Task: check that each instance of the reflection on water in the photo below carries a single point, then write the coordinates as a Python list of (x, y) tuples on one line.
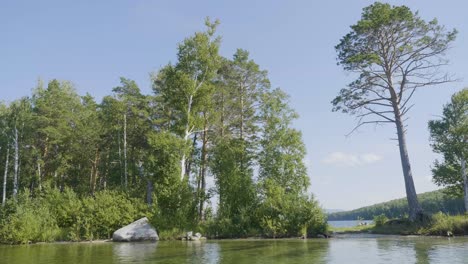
[(363, 249), (133, 252)]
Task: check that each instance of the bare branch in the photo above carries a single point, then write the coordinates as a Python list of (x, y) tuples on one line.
[(380, 113), (375, 122), (406, 110), (407, 99)]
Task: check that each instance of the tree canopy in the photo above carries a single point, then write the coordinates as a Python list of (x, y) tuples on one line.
[(449, 137), (208, 119)]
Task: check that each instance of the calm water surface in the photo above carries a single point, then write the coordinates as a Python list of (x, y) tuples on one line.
[(352, 249), (350, 223)]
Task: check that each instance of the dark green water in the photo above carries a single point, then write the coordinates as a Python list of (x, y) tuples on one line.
[(363, 250)]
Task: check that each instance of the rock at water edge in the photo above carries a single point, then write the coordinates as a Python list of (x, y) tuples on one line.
[(140, 230)]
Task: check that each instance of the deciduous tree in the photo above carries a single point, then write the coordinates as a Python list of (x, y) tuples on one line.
[(449, 137)]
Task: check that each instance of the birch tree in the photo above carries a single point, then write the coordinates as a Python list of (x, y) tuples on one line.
[(181, 86), (20, 124), (5, 175), (393, 51), (4, 146)]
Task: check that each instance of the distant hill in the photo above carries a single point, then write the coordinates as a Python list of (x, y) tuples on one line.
[(431, 202)]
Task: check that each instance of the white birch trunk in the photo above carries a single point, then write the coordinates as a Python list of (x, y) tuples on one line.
[(184, 156), (15, 179), (186, 137), (5, 176)]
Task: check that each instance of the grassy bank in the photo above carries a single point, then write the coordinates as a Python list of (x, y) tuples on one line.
[(436, 225)]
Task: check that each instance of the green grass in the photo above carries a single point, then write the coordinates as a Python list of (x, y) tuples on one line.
[(441, 224), (436, 225), (354, 229)]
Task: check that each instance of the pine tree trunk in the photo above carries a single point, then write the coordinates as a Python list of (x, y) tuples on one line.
[(189, 162), (203, 174), (5, 176), (120, 160), (465, 183), (94, 173), (149, 192), (242, 126), (39, 173), (222, 114), (125, 150), (415, 209), (15, 178), (106, 173)]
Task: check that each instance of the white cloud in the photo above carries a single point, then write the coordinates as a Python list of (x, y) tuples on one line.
[(351, 160), (370, 158)]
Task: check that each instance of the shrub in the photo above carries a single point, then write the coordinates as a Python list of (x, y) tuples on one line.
[(28, 221), (284, 214), (442, 223), (54, 215), (101, 215), (380, 220)]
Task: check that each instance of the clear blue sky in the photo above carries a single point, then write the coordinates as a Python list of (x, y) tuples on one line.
[(93, 43)]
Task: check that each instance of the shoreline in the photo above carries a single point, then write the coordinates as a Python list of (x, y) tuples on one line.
[(335, 235)]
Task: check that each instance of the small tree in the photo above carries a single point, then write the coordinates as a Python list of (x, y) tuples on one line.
[(449, 137), (394, 52)]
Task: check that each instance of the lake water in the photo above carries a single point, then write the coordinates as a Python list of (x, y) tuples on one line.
[(350, 223), (362, 249)]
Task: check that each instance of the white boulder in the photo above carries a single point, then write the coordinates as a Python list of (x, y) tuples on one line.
[(140, 230)]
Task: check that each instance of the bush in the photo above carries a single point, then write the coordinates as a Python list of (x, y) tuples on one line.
[(55, 215), (380, 220), (101, 215), (284, 214), (442, 223), (28, 221), (174, 206)]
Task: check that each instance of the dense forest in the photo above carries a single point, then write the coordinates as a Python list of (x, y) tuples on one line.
[(74, 168), (431, 202)]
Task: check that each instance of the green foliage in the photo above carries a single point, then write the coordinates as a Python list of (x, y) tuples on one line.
[(380, 220), (171, 234), (284, 214), (442, 223), (174, 207), (439, 224), (431, 202), (89, 166), (449, 138), (284, 209), (56, 215), (233, 171), (108, 211), (27, 220)]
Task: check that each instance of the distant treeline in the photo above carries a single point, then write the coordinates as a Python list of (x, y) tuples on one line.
[(431, 202)]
